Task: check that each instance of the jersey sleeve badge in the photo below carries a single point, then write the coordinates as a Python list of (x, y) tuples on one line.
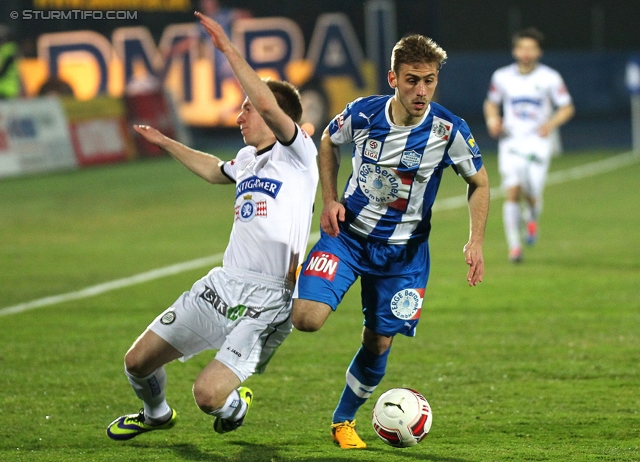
[(473, 146)]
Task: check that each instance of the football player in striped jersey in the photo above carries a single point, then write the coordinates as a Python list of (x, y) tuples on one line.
[(378, 229)]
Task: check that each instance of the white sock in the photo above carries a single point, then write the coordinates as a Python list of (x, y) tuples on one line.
[(234, 408), (150, 390), (511, 217)]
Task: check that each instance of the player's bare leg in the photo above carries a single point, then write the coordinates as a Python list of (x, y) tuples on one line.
[(309, 315), (217, 392), (148, 353), (144, 367)]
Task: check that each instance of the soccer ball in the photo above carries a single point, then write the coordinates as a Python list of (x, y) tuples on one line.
[(402, 417)]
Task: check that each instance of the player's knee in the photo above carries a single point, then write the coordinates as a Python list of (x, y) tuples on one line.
[(207, 398), (376, 343), (309, 316), (305, 325), (134, 365)]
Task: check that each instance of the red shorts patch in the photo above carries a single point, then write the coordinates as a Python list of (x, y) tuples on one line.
[(323, 265)]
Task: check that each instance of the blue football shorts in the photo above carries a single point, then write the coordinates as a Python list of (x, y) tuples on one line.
[(393, 279)]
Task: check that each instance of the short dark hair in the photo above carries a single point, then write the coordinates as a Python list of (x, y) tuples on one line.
[(416, 48), (288, 98), (530, 33)]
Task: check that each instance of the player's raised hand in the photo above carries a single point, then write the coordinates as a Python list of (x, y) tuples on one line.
[(151, 134), (331, 214), (215, 30), (475, 260)]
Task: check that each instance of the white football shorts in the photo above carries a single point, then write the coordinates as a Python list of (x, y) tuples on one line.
[(524, 161), (242, 314)]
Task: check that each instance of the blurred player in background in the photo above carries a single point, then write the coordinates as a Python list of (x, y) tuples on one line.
[(380, 227), (535, 102), (242, 309)]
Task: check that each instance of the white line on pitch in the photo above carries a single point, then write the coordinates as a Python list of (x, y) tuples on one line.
[(561, 176), (557, 177), (117, 284)]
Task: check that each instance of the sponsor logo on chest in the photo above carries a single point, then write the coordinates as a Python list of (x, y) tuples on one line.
[(267, 186), (385, 186)]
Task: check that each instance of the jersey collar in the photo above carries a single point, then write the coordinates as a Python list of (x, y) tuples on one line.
[(266, 149)]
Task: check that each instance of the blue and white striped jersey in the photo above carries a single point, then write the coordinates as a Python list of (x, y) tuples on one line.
[(397, 169)]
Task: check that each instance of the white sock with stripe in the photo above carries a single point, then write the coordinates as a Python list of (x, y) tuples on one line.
[(234, 408), (150, 390)]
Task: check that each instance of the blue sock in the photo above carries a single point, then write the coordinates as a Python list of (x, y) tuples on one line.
[(363, 376)]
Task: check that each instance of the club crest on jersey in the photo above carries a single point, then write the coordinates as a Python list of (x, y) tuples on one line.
[(440, 129), (371, 150), (168, 317), (248, 209), (323, 265), (267, 186), (410, 159), (407, 304)]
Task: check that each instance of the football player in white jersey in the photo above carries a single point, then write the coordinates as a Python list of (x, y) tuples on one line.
[(526, 103), (379, 230), (242, 309)]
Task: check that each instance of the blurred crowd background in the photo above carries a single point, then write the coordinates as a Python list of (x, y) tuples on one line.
[(590, 42)]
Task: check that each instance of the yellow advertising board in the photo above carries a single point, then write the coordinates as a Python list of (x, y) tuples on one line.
[(332, 69), (88, 5)]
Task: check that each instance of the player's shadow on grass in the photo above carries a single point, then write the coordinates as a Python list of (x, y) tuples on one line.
[(250, 453), (193, 452), (266, 453)]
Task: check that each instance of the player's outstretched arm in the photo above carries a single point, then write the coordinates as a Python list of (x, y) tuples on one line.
[(478, 200), (328, 165), (258, 92), (202, 164)]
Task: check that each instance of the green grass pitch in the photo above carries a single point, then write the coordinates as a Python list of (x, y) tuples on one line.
[(540, 362)]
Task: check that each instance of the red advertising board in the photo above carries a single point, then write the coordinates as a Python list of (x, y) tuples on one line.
[(150, 109), (99, 131)]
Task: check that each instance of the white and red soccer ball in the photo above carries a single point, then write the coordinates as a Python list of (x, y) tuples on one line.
[(402, 417)]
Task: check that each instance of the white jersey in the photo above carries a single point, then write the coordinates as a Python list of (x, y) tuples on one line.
[(275, 192), (527, 100), (397, 169)]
